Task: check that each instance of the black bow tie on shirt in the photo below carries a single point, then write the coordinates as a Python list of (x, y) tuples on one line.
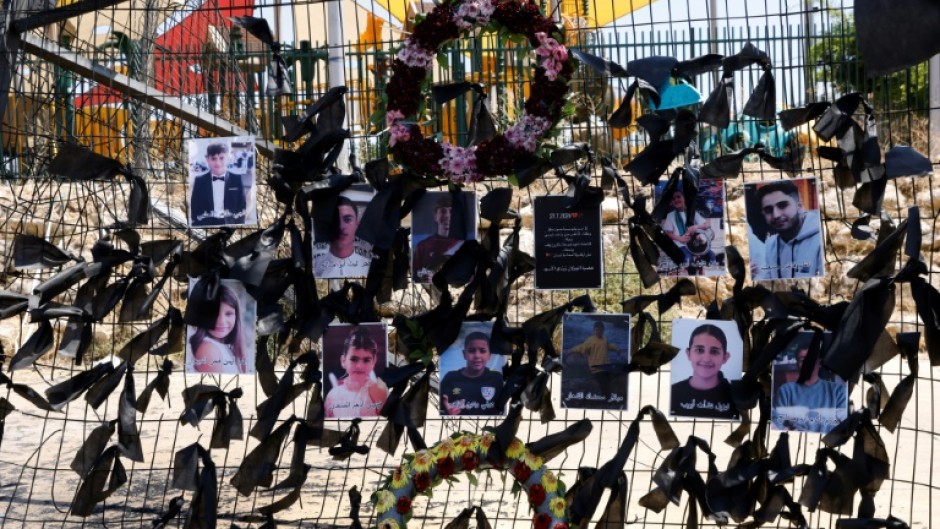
[(220, 178)]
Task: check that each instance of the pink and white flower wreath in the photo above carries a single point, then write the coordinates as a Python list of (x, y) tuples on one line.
[(412, 67)]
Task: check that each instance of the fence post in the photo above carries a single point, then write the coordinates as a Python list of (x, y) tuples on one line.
[(934, 133), (336, 67)]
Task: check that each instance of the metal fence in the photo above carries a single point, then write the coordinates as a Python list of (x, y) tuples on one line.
[(49, 104)]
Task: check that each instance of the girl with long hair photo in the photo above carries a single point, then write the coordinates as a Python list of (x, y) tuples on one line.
[(222, 349)]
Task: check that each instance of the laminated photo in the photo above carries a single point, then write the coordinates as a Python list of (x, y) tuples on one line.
[(440, 226), (228, 347), (595, 355), (471, 374), (337, 251), (818, 404), (222, 187), (784, 231), (354, 357), (698, 230), (568, 249), (709, 359)]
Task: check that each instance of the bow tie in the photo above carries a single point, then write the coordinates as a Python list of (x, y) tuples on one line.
[(220, 178)]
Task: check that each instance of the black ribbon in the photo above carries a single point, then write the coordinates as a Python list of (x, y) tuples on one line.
[(730, 165), (282, 395), (160, 384), (587, 498), (30, 251), (278, 76), (257, 469), (859, 328), (64, 392), (5, 410), (405, 410), (555, 444), (761, 104), (102, 479), (76, 162), (349, 443), (201, 399), (172, 512)]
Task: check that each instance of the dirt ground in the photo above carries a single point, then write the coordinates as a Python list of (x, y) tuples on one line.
[(36, 484)]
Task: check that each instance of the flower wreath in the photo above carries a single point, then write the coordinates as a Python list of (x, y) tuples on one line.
[(410, 78), (466, 452)]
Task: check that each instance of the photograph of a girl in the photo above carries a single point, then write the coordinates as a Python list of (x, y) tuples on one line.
[(701, 377), (353, 358), (226, 348)]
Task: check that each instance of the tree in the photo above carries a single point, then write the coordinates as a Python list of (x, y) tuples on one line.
[(838, 60)]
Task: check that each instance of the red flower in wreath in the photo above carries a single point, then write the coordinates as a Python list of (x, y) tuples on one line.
[(521, 471), (403, 505), (422, 481), (542, 520), (436, 28), (446, 467), (536, 495), (560, 525), (469, 460)]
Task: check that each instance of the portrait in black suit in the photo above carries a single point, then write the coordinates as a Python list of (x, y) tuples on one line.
[(215, 178)]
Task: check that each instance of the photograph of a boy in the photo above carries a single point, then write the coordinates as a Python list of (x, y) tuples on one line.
[(228, 346), (595, 353), (784, 229), (697, 229), (471, 374), (816, 405), (341, 253), (710, 358), (438, 231), (222, 182), (354, 357)]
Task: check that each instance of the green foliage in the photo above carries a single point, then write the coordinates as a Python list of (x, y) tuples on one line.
[(443, 60), (621, 280), (422, 349), (838, 59), (516, 489)]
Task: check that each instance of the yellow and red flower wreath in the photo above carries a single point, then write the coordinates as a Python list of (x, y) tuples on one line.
[(470, 453)]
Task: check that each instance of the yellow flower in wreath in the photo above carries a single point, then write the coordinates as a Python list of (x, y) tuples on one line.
[(400, 477), (550, 482), (486, 441), (467, 442), (423, 461), (446, 448), (516, 449), (533, 461), (384, 500), (557, 506), (388, 524)]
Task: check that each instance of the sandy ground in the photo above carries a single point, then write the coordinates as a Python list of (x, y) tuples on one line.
[(36, 485)]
